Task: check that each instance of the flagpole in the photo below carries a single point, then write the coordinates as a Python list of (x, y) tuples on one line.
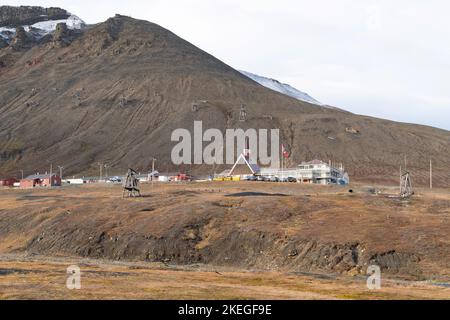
[(283, 150), (282, 167)]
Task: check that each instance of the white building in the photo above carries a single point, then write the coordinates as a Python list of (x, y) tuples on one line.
[(315, 171), (74, 181)]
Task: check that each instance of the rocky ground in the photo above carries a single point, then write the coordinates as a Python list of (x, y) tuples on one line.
[(255, 226)]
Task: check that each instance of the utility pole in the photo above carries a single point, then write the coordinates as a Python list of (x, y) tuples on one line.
[(50, 177), (60, 171), (431, 175), (22, 173), (215, 165), (101, 167), (153, 171), (106, 170)]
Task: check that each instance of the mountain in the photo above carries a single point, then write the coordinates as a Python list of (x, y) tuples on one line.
[(281, 87), (115, 91), (37, 22)]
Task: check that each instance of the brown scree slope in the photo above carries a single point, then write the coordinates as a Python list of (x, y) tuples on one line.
[(116, 91)]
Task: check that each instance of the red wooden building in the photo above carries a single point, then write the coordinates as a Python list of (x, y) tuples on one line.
[(40, 180), (181, 177), (8, 182)]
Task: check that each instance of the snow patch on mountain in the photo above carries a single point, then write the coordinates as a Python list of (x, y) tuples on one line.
[(43, 28), (281, 87), (73, 22), (7, 33)]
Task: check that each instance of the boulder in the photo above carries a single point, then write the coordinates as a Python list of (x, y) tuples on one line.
[(21, 40)]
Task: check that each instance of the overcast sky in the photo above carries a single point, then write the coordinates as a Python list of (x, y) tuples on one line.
[(388, 59)]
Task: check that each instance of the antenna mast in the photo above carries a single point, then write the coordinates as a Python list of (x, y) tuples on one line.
[(431, 175)]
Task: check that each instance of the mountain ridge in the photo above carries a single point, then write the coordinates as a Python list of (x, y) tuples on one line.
[(34, 24), (116, 91), (11, 16)]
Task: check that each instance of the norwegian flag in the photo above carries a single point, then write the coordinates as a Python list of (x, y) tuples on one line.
[(284, 152)]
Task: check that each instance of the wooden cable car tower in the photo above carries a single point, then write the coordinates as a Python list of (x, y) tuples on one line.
[(243, 114), (406, 189), (131, 185)]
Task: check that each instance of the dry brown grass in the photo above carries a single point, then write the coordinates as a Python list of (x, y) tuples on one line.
[(41, 279)]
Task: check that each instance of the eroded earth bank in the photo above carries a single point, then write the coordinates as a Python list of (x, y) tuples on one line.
[(275, 227)]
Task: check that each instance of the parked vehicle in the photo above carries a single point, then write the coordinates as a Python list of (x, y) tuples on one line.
[(252, 178), (291, 179), (274, 179)]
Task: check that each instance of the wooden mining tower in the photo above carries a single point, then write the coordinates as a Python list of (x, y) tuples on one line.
[(406, 189), (131, 185), (243, 114)]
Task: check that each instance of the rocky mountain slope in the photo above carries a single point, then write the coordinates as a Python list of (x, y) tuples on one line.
[(115, 91)]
